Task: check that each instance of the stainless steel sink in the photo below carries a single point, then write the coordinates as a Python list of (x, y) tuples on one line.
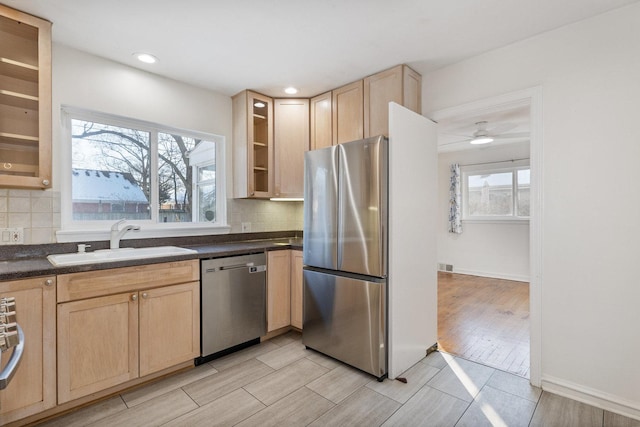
[(121, 254)]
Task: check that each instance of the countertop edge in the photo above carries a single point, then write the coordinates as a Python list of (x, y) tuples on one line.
[(34, 267)]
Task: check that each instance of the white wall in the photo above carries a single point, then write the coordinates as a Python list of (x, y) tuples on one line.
[(491, 249), (589, 73)]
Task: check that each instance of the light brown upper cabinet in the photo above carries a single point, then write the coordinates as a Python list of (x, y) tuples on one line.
[(320, 121), (399, 84), (252, 145), (291, 140), (348, 112), (25, 100)]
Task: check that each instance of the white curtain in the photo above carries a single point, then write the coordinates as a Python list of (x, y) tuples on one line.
[(455, 201)]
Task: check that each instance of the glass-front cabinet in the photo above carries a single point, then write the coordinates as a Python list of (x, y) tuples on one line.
[(253, 145), (25, 100)]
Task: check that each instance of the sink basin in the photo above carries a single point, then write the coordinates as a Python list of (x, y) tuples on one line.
[(111, 255)]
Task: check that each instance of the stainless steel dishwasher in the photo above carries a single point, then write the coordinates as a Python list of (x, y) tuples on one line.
[(233, 299)]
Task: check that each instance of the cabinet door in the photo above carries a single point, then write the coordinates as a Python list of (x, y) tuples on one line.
[(278, 289), (169, 326), (97, 344), (348, 113), (379, 90), (33, 387), (253, 145), (291, 140), (399, 84), (412, 90), (320, 121), (296, 289), (25, 100)]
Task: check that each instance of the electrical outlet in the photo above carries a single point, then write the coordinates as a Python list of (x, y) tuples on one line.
[(12, 236), (246, 227)]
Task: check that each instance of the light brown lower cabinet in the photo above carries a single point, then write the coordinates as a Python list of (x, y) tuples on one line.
[(97, 344), (296, 289), (278, 289), (169, 326), (104, 341), (33, 387)]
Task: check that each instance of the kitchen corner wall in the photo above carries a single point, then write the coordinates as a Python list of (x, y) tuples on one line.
[(86, 81)]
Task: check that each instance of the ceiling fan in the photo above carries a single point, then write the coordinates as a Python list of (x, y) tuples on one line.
[(485, 134), (481, 136)]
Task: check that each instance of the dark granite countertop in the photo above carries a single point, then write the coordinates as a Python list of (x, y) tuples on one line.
[(31, 261)]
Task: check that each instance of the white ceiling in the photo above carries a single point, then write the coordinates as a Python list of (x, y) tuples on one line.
[(315, 45)]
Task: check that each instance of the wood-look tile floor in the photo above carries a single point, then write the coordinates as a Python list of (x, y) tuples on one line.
[(485, 320), (280, 383)]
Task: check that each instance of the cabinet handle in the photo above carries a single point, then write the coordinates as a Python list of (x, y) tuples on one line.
[(45, 182), (48, 282), (145, 295), (134, 297)]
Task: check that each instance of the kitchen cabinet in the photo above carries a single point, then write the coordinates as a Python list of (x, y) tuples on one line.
[(278, 289), (25, 100), (348, 112), (169, 326), (253, 145), (291, 140), (320, 121), (33, 387), (120, 324), (399, 84), (296, 289)]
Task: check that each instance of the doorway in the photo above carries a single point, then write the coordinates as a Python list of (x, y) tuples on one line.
[(503, 111)]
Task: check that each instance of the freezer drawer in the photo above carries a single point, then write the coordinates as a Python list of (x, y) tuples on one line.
[(345, 318)]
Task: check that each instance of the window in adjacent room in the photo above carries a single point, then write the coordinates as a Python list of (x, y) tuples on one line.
[(496, 192), (142, 172)]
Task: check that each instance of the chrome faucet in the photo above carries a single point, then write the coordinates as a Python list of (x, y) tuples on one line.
[(116, 233)]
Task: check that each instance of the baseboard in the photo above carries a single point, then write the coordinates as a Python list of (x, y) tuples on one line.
[(514, 277), (592, 397)]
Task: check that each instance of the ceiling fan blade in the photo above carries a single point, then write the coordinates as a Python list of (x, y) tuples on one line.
[(514, 135)]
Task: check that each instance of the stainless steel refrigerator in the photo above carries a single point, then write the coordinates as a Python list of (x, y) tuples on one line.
[(345, 253)]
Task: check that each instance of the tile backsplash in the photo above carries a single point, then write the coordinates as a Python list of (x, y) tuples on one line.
[(38, 212), (264, 215)]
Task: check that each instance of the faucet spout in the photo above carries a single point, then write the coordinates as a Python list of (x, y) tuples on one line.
[(117, 233)]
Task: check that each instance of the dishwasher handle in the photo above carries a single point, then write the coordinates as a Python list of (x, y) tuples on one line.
[(250, 265), (7, 373)]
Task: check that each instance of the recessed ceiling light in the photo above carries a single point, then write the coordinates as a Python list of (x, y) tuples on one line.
[(259, 104), (147, 58), (291, 90)]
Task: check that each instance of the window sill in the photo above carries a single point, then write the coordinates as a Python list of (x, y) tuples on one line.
[(513, 221), (146, 232)]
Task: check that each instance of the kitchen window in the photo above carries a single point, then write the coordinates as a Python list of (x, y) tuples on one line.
[(494, 192), (149, 174)]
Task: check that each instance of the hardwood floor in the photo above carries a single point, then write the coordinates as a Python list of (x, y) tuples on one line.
[(485, 320)]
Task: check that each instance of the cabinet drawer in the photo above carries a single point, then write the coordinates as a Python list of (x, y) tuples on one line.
[(91, 284)]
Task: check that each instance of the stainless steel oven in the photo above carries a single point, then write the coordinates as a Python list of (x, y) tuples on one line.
[(11, 338)]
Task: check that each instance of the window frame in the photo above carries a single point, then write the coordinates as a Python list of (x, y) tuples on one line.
[(491, 168), (75, 230)]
